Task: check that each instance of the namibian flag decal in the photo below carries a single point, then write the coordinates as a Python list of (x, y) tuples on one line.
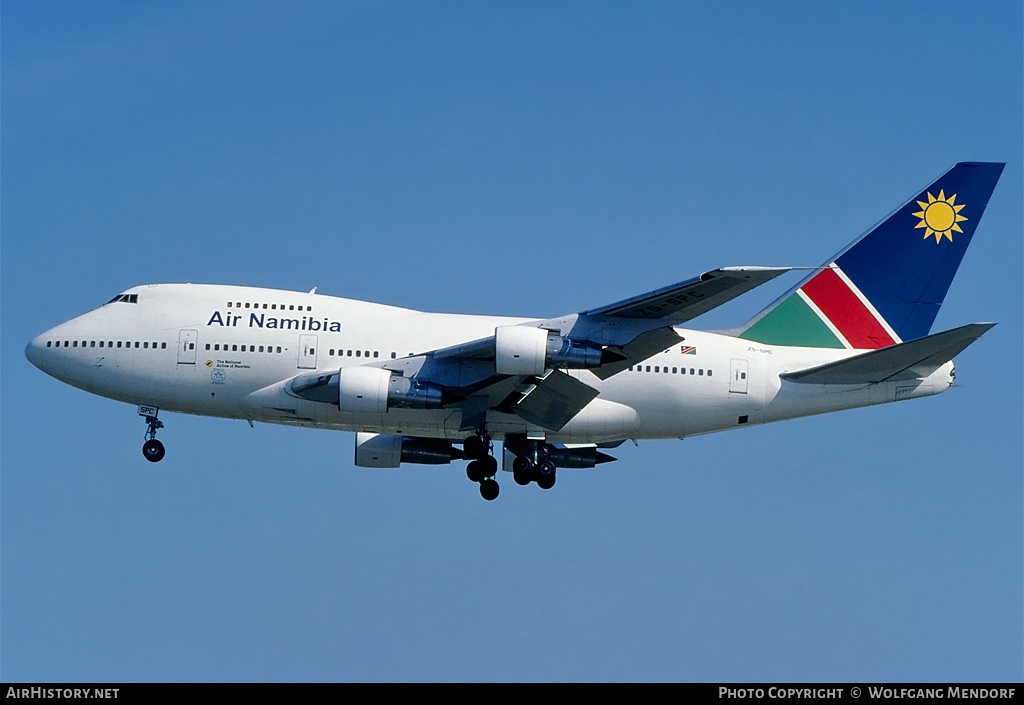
[(688, 349), (829, 311)]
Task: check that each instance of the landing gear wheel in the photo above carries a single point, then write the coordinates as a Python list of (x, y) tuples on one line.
[(490, 465), (545, 468), (474, 447), (475, 471), (545, 474), (522, 478), (489, 489), (153, 450)]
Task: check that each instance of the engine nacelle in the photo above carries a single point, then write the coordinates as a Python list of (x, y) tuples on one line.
[(374, 450), (367, 390), (535, 452), (522, 350), (363, 390)]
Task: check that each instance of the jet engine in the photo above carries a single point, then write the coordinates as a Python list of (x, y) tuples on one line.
[(368, 390), (522, 350), (374, 450)]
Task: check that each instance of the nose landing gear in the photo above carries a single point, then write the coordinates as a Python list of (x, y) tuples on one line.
[(152, 449)]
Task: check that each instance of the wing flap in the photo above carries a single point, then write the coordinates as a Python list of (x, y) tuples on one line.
[(554, 400), (926, 354), (638, 350)]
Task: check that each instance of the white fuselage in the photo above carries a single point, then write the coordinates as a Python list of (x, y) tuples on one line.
[(215, 350)]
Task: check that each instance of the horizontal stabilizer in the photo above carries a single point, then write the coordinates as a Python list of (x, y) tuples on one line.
[(925, 354), (689, 299)]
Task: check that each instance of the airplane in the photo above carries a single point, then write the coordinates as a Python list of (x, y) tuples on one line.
[(557, 393)]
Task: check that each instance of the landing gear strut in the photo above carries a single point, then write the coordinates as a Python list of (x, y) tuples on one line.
[(482, 466), (152, 449)]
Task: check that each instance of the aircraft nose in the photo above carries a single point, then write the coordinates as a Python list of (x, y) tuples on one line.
[(36, 351)]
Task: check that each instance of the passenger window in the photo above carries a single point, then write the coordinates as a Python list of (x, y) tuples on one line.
[(234, 348), (691, 370), (709, 373), (656, 369), (261, 348), (700, 372), (92, 343), (229, 304), (207, 346), (394, 355), (75, 345), (279, 348), (648, 368), (673, 370), (146, 345), (357, 352)]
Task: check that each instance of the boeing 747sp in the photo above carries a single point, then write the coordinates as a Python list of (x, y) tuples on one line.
[(559, 392)]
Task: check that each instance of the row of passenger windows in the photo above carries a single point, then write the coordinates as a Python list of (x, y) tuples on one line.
[(104, 343), (666, 370), (242, 348), (272, 307)]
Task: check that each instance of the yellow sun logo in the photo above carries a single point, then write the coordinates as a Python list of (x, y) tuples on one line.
[(939, 217)]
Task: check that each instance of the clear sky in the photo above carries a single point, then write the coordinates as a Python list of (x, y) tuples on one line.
[(510, 158)]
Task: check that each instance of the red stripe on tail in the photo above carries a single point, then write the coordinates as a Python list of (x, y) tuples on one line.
[(846, 312)]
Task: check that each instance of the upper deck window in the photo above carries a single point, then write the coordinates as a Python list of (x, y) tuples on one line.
[(125, 299)]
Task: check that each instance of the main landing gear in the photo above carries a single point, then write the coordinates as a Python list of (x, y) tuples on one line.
[(152, 449), (482, 466), (531, 463)]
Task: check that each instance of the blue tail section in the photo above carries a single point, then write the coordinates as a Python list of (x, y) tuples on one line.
[(905, 265)]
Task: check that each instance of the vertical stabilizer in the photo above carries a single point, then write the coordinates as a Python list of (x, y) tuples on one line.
[(887, 286)]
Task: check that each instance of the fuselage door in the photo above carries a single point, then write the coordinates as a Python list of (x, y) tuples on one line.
[(187, 346), (738, 376), (307, 352)]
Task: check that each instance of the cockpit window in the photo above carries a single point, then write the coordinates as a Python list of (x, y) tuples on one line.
[(125, 299)]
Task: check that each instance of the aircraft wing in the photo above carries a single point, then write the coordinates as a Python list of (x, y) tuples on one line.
[(519, 368), (917, 357), (689, 299)]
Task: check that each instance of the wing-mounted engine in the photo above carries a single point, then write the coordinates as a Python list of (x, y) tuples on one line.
[(369, 390), (375, 450), (523, 350)]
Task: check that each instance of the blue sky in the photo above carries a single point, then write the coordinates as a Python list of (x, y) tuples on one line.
[(508, 158)]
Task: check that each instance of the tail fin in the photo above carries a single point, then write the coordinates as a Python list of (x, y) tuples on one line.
[(887, 286)]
